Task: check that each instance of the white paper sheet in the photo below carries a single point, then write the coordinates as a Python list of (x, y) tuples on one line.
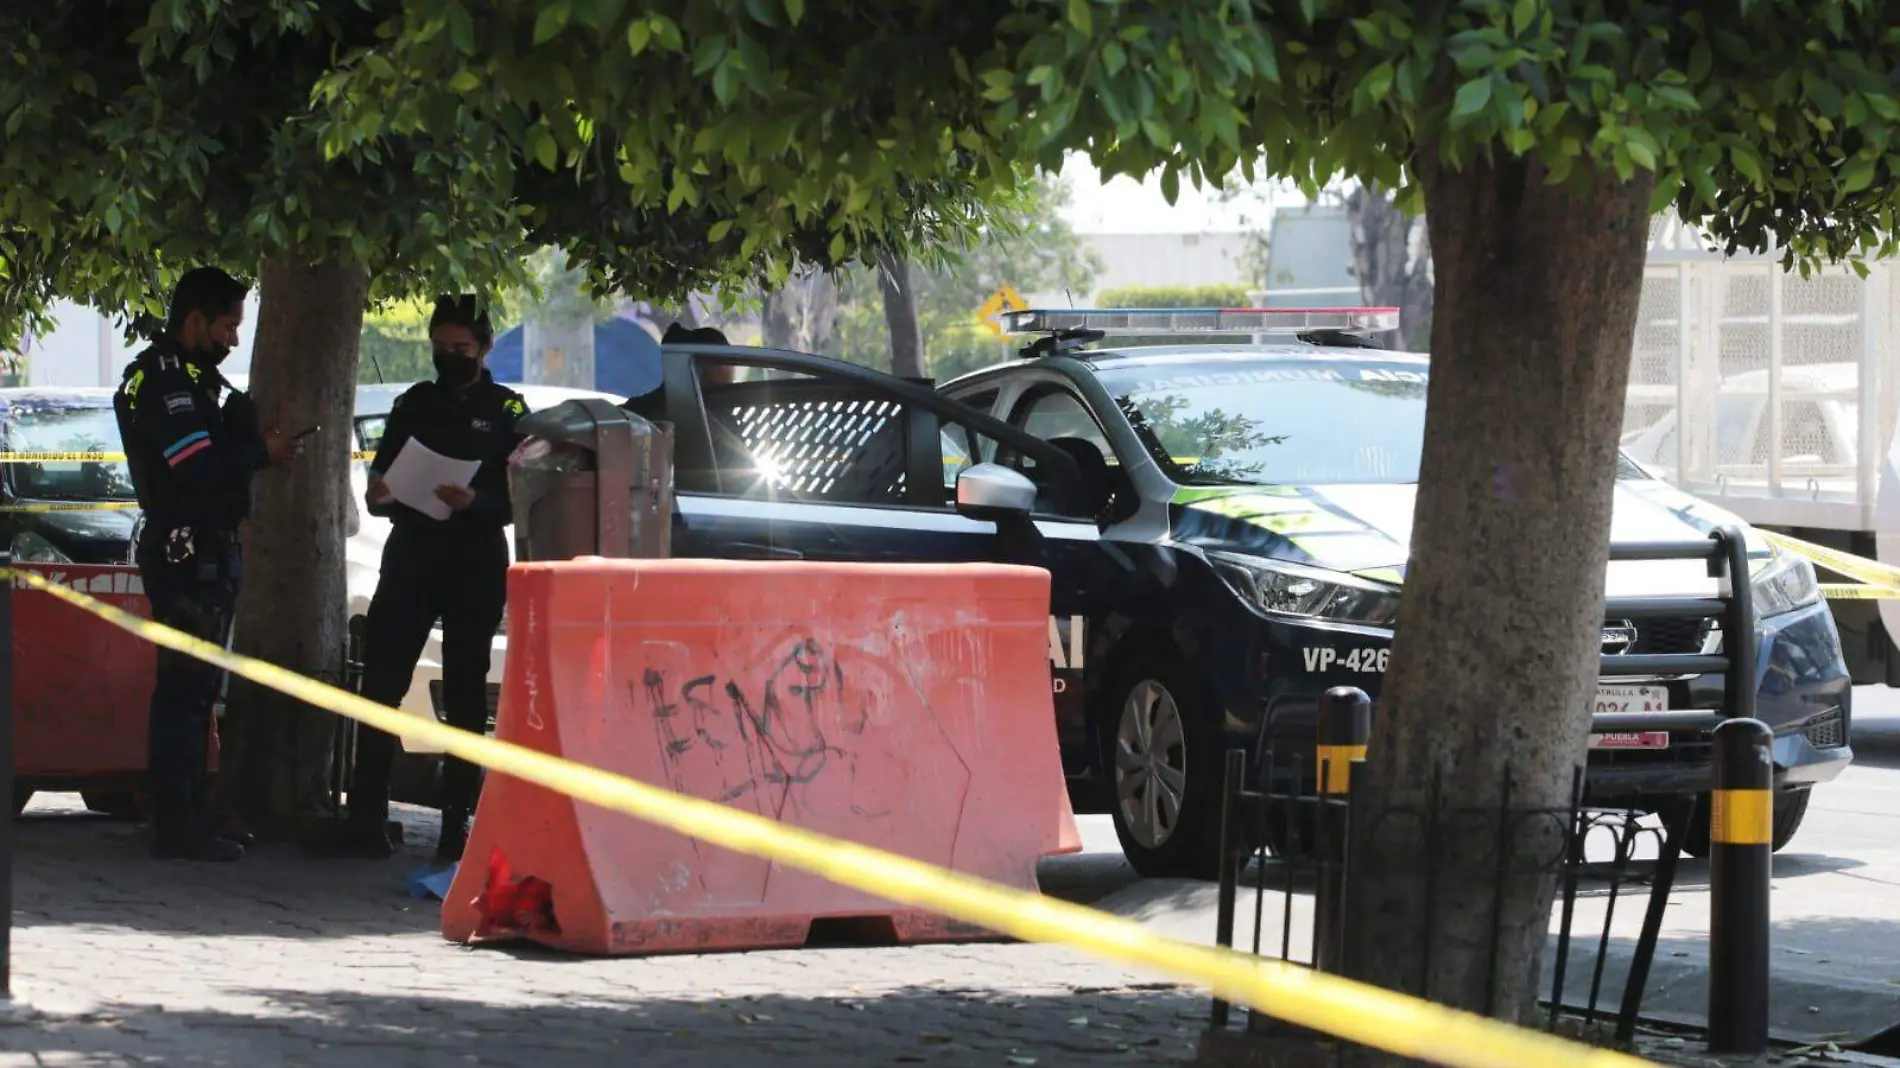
[(418, 470)]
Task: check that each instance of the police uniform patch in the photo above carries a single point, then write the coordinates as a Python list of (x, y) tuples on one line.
[(178, 403)]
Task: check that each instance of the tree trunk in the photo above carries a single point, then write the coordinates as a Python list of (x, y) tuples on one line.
[(802, 315), (1391, 255), (1496, 659), (900, 314), (821, 313), (778, 319), (291, 610)]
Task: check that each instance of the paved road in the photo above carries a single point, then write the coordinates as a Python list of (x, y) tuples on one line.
[(1836, 939), (287, 961)]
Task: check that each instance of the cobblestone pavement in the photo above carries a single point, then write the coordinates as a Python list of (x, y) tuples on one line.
[(281, 960)]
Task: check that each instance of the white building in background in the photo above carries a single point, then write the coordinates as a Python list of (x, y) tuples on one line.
[(87, 348), (1134, 259)]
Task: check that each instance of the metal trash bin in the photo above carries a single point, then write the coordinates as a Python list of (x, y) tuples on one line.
[(591, 479)]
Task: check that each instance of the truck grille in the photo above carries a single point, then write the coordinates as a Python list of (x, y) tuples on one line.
[(1827, 731), (1684, 634)]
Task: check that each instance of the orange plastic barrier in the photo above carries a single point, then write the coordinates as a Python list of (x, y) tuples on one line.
[(82, 687), (900, 706)]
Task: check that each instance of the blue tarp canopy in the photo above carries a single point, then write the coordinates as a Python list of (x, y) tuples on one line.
[(626, 358)]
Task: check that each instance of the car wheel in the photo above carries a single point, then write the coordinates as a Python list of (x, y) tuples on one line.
[(119, 804), (1791, 807), (1155, 755)]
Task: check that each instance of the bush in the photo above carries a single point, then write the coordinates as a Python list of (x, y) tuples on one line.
[(1215, 296)]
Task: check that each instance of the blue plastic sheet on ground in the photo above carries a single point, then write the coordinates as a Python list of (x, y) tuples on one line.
[(431, 882)]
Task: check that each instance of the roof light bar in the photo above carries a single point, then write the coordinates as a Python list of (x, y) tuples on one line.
[(1125, 322)]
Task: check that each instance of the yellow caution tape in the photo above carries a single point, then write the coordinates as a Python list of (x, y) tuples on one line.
[(1371, 1016), (1878, 581), (102, 457), (71, 506), (1841, 592), (1858, 568)]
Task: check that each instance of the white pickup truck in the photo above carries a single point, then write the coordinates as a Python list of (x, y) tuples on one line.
[(1775, 397)]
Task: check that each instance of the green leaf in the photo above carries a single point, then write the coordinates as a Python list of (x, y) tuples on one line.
[(541, 145), (1747, 163), (1377, 84), (1370, 32), (1857, 175), (1114, 58), (1643, 155), (551, 21), (1678, 98), (1522, 15), (795, 11), (717, 231), (464, 81), (639, 35), (1668, 188), (1080, 16), (1171, 184), (1472, 98), (461, 29)]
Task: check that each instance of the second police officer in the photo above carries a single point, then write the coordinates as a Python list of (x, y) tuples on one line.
[(453, 569)]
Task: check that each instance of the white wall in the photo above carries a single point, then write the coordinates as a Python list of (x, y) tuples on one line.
[(89, 349), (1151, 259)]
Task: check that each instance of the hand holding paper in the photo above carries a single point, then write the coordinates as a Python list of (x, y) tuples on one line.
[(419, 471)]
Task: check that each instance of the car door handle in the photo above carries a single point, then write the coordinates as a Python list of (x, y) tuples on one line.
[(745, 550)]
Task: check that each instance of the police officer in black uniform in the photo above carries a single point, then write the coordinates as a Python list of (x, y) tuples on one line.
[(454, 569), (191, 459)]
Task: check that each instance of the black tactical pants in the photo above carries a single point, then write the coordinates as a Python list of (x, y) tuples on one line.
[(427, 576), (192, 583)]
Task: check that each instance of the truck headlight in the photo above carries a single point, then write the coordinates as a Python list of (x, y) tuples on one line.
[(1787, 583), (31, 548), (1310, 592)]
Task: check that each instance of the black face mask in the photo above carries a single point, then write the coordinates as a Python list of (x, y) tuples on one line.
[(455, 371)]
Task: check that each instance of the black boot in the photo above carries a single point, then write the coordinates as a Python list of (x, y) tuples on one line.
[(454, 839)]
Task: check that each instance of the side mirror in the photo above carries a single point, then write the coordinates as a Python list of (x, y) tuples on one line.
[(993, 492)]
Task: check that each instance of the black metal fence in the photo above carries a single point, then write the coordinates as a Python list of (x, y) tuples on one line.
[(1291, 849)]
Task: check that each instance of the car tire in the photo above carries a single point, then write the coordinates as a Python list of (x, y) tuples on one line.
[(1158, 766), (1791, 808), (118, 804)]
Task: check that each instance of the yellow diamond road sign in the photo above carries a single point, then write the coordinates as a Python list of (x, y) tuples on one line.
[(1005, 299)]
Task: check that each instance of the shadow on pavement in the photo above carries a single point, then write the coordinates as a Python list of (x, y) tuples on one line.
[(72, 868), (1831, 979), (343, 1028)]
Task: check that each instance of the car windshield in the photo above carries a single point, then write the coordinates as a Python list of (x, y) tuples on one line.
[(1280, 422), (58, 429), (1283, 422)]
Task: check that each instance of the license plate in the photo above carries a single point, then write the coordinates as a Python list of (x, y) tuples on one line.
[(1631, 699)]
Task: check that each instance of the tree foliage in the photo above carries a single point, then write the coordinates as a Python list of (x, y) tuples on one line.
[(1028, 245), (1207, 296)]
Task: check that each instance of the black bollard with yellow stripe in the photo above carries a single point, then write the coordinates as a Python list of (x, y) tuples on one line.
[(1344, 723), (1741, 837)]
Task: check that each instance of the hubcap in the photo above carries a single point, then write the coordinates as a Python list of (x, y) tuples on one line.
[(1150, 764)]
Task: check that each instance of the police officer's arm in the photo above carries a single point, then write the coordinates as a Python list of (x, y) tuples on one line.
[(491, 479), (397, 430), (180, 419), (240, 423)]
